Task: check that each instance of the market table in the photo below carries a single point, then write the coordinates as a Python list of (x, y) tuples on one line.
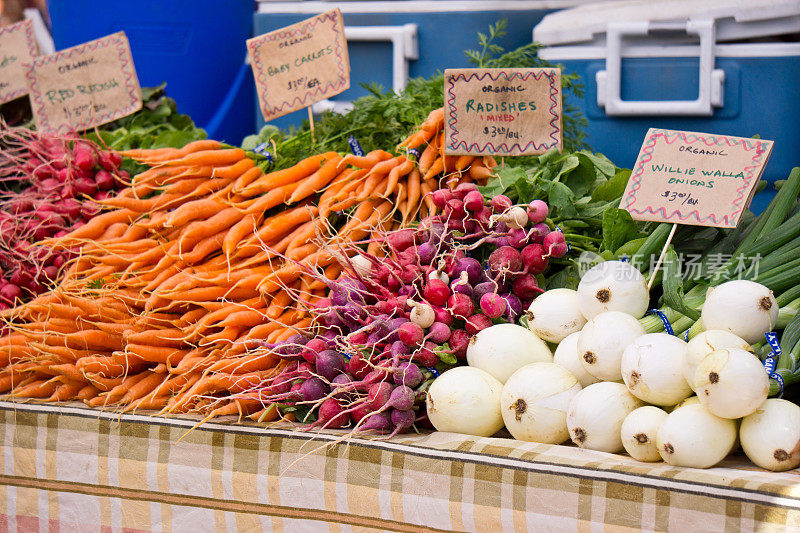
[(70, 468)]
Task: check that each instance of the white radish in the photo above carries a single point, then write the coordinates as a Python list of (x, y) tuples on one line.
[(745, 308), (566, 355), (692, 436), (555, 314), (703, 344), (503, 349), (465, 400), (639, 430), (361, 265), (613, 286), (651, 368), (535, 400), (771, 435), (731, 383), (602, 341), (422, 314), (596, 413)]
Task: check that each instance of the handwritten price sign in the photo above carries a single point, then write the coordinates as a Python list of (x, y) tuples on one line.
[(694, 178), (84, 86), (502, 111), (17, 47), (300, 64)]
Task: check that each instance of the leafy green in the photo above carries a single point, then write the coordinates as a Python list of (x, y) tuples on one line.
[(613, 188), (618, 229)]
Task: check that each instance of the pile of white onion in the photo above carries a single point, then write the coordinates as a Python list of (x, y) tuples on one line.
[(611, 386)]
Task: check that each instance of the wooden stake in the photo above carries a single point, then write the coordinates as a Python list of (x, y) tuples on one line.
[(311, 123), (661, 257)]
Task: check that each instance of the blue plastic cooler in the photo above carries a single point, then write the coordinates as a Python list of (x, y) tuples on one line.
[(725, 67), (197, 47)]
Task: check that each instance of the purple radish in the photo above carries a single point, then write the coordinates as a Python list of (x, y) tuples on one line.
[(329, 364), (402, 398), (408, 374), (313, 389)]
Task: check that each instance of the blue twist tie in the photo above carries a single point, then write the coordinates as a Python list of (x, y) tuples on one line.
[(414, 152), (625, 259), (565, 240), (261, 149), (664, 320), (772, 360), (686, 336), (347, 356), (355, 146), (435, 373)]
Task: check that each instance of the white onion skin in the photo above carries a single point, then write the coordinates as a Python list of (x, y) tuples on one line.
[(503, 349), (731, 383), (566, 355), (770, 436), (596, 413), (651, 367), (745, 308), (603, 340), (535, 400), (555, 314), (613, 286), (692, 436), (639, 430), (688, 401), (465, 400), (703, 344)]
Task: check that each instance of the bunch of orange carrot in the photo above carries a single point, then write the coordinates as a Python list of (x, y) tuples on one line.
[(200, 262)]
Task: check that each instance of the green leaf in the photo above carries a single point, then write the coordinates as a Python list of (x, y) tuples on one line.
[(618, 228), (566, 279), (177, 139), (560, 198), (447, 357), (504, 179), (613, 188), (582, 178), (600, 162)]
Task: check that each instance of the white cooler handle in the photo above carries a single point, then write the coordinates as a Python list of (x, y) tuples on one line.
[(710, 93)]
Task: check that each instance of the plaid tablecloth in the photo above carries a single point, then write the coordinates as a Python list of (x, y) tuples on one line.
[(72, 469)]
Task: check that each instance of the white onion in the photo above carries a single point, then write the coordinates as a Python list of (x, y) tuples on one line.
[(692, 436), (731, 383), (503, 349), (534, 402), (613, 286), (705, 343), (651, 368), (555, 314), (465, 400), (639, 431), (745, 308), (596, 413), (566, 355), (771, 435), (688, 401), (602, 341)]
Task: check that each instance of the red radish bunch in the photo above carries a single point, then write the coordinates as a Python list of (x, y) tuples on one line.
[(391, 323), (52, 186)]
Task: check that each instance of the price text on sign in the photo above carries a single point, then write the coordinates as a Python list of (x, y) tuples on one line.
[(300, 64), (84, 86), (694, 178), (17, 47), (502, 111)]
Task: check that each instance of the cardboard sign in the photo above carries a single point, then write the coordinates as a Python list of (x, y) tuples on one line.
[(694, 178), (17, 47), (84, 86), (502, 111), (300, 64)]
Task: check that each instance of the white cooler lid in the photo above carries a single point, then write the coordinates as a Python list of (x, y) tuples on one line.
[(735, 19)]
